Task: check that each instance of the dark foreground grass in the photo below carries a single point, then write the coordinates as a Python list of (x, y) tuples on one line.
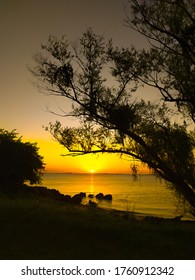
[(31, 229)]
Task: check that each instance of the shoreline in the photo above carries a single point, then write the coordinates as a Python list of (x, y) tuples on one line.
[(138, 216), (131, 214), (47, 194)]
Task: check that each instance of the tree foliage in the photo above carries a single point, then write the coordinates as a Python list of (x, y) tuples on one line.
[(19, 161), (169, 62), (112, 119)]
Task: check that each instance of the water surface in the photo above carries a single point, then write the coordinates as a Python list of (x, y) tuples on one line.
[(147, 195)]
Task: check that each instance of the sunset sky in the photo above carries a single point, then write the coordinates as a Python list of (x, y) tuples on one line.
[(24, 25)]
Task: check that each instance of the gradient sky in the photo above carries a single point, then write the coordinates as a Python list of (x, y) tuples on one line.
[(24, 25)]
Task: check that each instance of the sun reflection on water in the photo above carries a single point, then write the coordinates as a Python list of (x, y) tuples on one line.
[(91, 183)]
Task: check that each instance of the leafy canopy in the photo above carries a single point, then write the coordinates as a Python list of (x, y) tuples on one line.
[(19, 161)]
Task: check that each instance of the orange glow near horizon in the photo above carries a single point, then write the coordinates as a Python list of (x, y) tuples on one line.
[(55, 163)]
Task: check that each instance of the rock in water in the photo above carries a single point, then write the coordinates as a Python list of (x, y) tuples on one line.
[(100, 196), (108, 197)]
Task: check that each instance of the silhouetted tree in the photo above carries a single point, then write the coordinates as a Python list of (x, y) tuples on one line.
[(169, 63), (112, 121), (19, 162)]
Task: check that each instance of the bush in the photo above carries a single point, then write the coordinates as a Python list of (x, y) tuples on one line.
[(19, 161)]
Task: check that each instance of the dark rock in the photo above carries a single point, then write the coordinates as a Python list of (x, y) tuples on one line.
[(93, 204), (76, 199), (82, 194), (45, 193), (108, 197), (91, 196), (100, 196), (67, 198)]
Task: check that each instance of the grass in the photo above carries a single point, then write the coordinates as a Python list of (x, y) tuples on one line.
[(44, 229)]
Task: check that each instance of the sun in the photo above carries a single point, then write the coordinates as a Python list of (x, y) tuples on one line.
[(92, 171)]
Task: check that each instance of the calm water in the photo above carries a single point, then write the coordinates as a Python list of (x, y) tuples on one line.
[(147, 195)]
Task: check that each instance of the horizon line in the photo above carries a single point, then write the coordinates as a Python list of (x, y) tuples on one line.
[(94, 173)]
